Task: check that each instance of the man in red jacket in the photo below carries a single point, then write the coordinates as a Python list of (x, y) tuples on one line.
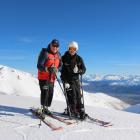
[(49, 61)]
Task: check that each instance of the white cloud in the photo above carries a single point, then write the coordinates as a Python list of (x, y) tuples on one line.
[(25, 40)]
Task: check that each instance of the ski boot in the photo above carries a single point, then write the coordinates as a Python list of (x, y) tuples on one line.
[(82, 115), (47, 111), (40, 113)]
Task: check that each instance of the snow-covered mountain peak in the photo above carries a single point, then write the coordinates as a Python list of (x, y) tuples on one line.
[(113, 77), (13, 81), (6, 71), (119, 80), (93, 77)]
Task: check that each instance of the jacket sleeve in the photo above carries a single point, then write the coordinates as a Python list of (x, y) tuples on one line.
[(82, 68), (41, 60)]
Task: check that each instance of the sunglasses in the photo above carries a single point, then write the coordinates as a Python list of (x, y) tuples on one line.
[(72, 49)]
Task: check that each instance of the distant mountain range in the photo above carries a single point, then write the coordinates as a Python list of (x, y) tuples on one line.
[(112, 84)]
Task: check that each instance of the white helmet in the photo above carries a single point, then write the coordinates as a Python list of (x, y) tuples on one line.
[(73, 44)]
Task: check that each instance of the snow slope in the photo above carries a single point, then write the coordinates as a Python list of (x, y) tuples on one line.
[(17, 123), (17, 82), (19, 91)]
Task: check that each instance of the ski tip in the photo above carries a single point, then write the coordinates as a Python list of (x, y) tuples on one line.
[(58, 128), (69, 123), (107, 125)]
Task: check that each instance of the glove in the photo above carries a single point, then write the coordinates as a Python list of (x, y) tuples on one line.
[(52, 70), (75, 70), (67, 85)]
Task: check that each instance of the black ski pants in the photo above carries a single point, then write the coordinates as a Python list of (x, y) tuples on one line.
[(46, 92), (74, 96)]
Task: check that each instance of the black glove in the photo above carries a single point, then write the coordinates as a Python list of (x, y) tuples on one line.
[(52, 69)]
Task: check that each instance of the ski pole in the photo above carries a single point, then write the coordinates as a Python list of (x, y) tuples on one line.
[(65, 94), (82, 92)]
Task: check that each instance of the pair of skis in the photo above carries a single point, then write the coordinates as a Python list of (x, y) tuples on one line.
[(90, 119), (48, 123), (67, 121)]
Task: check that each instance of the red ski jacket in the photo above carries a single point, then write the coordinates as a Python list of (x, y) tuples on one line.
[(52, 60)]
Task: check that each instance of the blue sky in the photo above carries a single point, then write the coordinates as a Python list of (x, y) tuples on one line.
[(108, 32)]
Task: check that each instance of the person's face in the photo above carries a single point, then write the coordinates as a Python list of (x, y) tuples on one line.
[(72, 50), (54, 48)]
